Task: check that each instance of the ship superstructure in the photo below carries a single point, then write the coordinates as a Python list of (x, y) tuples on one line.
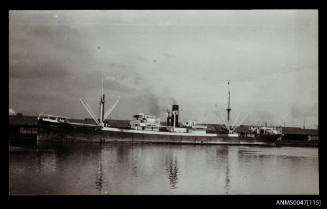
[(145, 122), (194, 127)]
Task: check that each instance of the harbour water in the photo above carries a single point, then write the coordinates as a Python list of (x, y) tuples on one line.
[(136, 169)]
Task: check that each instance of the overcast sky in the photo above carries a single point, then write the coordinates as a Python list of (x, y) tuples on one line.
[(153, 59)]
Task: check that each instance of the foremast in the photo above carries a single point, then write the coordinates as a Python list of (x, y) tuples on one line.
[(102, 115)]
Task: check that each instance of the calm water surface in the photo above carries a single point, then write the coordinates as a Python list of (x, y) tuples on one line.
[(103, 169)]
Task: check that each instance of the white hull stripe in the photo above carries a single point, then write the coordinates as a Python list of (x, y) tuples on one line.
[(157, 132)]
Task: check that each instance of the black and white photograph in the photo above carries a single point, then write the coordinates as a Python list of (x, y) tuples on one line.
[(163, 102)]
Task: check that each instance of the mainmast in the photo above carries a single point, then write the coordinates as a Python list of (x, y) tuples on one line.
[(102, 100), (228, 105)]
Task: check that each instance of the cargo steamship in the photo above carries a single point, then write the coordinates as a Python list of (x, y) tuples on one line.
[(148, 129)]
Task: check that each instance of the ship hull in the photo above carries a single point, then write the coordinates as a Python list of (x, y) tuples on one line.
[(66, 133)]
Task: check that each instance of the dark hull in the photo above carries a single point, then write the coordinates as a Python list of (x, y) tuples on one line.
[(66, 133)]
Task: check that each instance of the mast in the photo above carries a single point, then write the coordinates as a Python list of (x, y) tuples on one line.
[(228, 105), (102, 115), (102, 100)]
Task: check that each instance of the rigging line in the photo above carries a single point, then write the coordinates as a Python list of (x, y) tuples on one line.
[(236, 119), (106, 115)]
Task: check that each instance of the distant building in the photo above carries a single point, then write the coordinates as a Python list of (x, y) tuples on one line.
[(11, 112)]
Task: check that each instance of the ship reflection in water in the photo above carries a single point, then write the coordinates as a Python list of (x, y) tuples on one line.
[(104, 169), (172, 170)]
